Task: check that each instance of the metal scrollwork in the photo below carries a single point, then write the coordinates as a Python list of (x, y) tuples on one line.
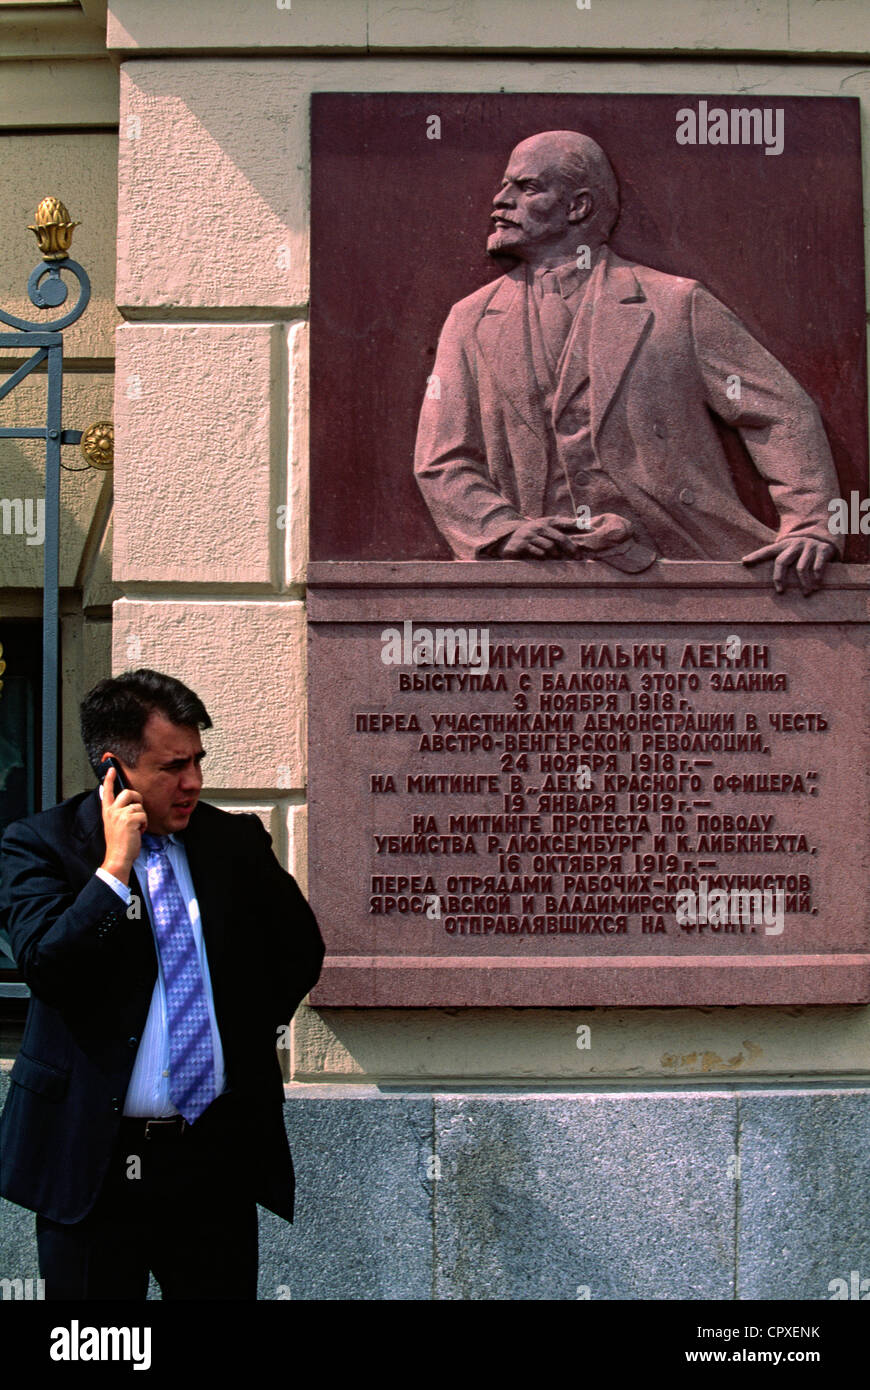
[(51, 295)]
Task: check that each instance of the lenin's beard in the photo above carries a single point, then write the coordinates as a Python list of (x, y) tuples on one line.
[(499, 247)]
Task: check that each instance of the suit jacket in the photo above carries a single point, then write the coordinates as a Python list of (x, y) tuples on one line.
[(92, 970), (660, 353)]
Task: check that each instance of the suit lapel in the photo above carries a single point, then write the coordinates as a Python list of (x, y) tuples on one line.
[(88, 827), (575, 358), (620, 316), (503, 334), (203, 859), (505, 342)]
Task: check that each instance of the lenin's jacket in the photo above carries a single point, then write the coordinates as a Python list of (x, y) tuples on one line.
[(660, 353), (91, 970)]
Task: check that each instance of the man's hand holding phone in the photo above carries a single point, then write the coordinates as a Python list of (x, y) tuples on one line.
[(124, 820)]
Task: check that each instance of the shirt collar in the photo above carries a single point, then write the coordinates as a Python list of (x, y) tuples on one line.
[(172, 837), (570, 278)]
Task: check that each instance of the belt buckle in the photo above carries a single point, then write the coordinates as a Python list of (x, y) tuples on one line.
[(166, 1120)]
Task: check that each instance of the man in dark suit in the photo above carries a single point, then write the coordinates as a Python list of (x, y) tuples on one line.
[(164, 947), (569, 412)]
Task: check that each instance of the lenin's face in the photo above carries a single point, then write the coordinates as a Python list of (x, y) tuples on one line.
[(530, 210)]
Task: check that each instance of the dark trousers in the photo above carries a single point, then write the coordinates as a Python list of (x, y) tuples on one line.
[(176, 1204)]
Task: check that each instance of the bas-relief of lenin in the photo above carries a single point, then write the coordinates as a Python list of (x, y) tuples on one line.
[(571, 409)]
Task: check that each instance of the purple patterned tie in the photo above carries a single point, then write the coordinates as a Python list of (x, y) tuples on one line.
[(191, 1056)]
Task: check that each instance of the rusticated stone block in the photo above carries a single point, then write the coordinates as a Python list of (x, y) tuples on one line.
[(245, 661), (198, 437)]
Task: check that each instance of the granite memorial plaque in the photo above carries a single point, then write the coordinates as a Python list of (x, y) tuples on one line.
[(588, 586)]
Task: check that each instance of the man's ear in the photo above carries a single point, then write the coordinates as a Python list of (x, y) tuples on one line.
[(581, 205)]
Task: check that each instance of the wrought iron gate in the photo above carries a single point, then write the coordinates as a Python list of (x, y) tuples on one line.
[(46, 289)]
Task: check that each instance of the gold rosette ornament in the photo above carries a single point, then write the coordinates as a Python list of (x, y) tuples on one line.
[(53, 229), (98, 444)]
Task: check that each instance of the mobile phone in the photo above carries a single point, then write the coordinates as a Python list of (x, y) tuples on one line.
[(121, 783)]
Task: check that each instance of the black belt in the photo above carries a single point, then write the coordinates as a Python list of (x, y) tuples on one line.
[(171, 1127), (220, 1114)]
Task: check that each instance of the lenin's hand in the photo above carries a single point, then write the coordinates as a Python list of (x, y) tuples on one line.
[(544, 537), (808, 556)]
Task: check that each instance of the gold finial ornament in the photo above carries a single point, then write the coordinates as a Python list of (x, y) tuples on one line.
[(98, 444), (53, 229)]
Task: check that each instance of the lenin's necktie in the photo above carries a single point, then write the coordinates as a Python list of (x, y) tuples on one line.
[(191, 1056), (555, 316)]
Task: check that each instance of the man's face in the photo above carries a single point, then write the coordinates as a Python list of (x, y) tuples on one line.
[(168, 774), (530, 210)]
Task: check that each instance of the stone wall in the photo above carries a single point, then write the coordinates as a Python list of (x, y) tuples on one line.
[(213, 260)]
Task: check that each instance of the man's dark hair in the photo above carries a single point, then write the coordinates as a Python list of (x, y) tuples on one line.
[(114, 713)]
